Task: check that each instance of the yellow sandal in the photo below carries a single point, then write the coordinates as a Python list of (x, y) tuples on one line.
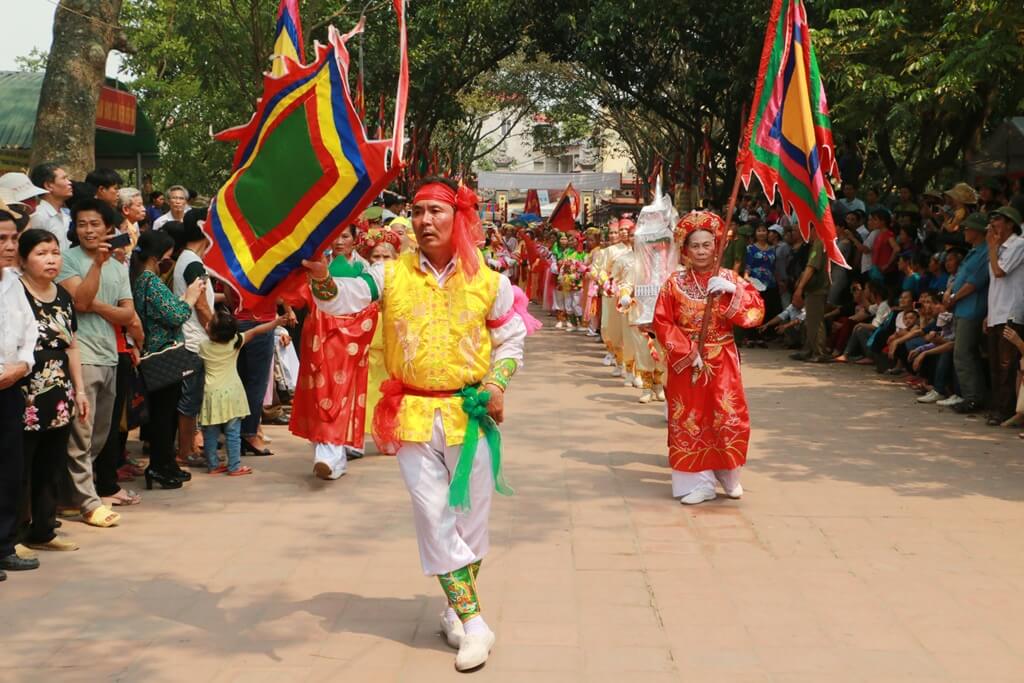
[(102, 517)]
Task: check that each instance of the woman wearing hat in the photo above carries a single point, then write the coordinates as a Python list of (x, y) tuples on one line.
[(961, 200)]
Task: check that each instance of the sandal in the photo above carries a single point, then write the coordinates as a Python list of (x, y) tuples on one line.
[(123, 497), (241, 471), (102, 517), (220, 469)]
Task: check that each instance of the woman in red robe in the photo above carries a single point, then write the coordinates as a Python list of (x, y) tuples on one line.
[(709, 426), (329, 405)]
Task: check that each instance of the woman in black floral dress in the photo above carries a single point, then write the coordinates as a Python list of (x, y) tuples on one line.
[(53, 390)]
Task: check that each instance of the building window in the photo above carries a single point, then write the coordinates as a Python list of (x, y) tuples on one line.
[(538, 165)]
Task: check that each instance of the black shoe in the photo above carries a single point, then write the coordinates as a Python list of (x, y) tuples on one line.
[(803, 355), (249, 449), (3, 575), (181, 474), (13, 563), (966, 408), (163, 480)]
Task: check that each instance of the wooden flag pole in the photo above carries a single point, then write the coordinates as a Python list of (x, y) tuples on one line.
[(720, 248)]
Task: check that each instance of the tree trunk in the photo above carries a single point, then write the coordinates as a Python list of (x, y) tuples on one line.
[(66, 119)]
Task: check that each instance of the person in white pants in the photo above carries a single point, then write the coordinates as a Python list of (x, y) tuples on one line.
[(453, 338)]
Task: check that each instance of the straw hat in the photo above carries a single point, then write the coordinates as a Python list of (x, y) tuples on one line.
[(963, 193)]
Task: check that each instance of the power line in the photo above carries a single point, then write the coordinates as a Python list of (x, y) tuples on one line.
[(93, 19)]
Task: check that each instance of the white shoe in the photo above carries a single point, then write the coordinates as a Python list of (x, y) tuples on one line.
[(949, 402), (452, 630), (628, 379), (735, 493), (608, 360), (570, 328), (659, 393), (698, 495), (931, 397), (616, 371), (638, 383), (591, 333), (473, 650), (647, 396), (323, 471)]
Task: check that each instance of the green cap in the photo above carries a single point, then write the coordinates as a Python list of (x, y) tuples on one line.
[(373, 213), (1007, 212), (976, 221)]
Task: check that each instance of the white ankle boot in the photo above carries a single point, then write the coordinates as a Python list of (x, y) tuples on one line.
[(474, 650), (647, 396)]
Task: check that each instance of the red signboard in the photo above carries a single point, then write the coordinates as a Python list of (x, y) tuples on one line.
[(116, 111)]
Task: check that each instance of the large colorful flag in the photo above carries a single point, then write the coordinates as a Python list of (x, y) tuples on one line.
[(303, 170), (563, 216), (288, 37), (788, 143)]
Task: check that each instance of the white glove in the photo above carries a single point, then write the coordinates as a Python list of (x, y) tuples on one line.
[(720, 285), (698, 363), (624, 301)]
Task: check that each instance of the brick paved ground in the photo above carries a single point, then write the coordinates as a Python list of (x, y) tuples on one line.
[(884, 544)]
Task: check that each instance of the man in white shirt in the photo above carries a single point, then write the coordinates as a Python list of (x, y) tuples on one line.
[(51, 215), (177, 200), (18, 335), (1005, 307), (187, 269)]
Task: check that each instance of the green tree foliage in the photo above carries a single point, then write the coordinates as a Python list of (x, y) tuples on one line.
[(918, 83), (34, 61)]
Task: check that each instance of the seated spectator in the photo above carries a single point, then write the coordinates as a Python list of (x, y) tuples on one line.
[(1011, 335), (936, 278), (857, 350), (932, 361), (99, 287), (163, 315), (54, 391), (18, 336)]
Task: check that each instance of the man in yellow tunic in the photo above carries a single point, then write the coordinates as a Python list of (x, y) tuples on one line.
[(453, 338)]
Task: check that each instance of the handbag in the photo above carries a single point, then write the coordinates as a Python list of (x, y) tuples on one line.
[(168, 366)]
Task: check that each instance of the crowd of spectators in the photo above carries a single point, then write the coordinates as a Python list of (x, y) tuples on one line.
[(110, 322), (934, 293)]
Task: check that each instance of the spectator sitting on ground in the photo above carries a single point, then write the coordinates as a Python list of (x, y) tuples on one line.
[(856, 350), (1011, 335), (787, 323), (933, 360)]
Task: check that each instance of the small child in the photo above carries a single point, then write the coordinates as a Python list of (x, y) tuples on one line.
[(224, 402)]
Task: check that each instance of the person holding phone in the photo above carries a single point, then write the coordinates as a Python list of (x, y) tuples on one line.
[(103, 301)]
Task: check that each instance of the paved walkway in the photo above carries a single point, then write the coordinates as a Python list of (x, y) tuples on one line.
[(878, 541)]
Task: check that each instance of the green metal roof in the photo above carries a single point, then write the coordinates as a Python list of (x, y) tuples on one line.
[(19, 99)]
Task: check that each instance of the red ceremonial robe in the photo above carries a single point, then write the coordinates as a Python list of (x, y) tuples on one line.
[(329, 405), (709, 426)]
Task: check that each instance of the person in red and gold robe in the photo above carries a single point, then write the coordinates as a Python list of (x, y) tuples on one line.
[(329, 405), (709, 426)]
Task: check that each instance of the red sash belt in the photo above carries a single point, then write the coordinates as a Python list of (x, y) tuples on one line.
[(385, 416)]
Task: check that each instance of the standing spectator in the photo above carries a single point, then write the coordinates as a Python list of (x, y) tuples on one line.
[(967, 297), (872, 200), (103, 301), (17, 189), (155, 208), (188, 268), (809, 294), (960, 202), (783, 252), (107, 183), (1005, 308), (884, 249), (848, 202), (131, 212), (163, 315), (51, 215), (54, 391), (17, 343), (177, 200), (761, 265)]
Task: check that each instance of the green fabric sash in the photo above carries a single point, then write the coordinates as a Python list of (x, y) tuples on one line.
[(474, 404)]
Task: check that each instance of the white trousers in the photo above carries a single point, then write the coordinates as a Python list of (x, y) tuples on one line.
[(334, 455), (684, 483), (447, 540)]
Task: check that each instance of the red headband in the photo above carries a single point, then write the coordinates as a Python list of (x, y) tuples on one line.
[(466, 232)]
